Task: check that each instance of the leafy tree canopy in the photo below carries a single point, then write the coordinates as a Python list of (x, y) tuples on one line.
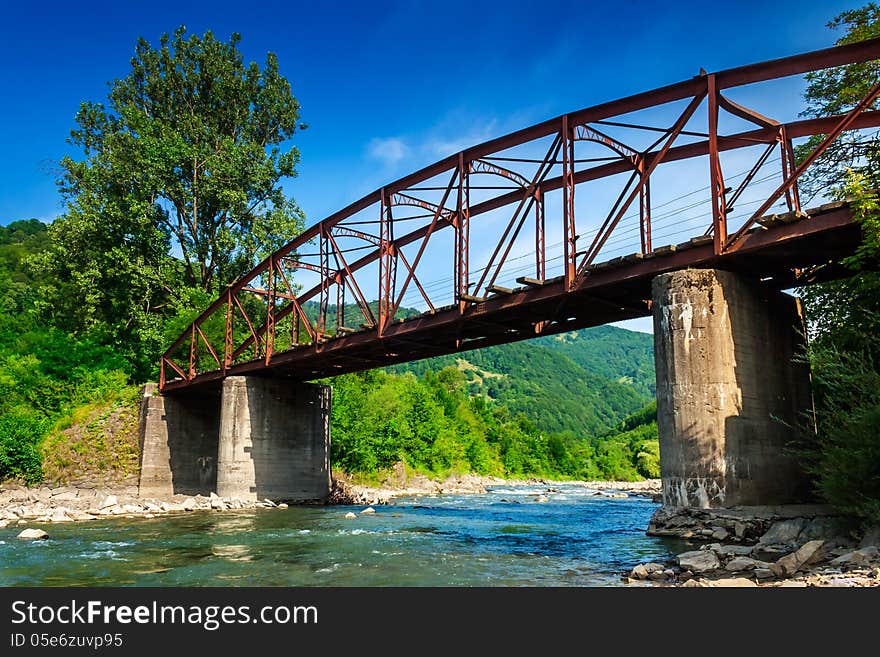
[(179, 188)]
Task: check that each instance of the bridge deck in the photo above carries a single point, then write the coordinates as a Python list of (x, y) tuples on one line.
[(619, 289)]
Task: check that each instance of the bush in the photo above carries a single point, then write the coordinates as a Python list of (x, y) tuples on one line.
[(20, 433), (843, 454)]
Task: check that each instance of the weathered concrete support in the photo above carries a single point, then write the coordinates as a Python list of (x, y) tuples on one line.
[(728, 390), (178, 443), (274, 440)]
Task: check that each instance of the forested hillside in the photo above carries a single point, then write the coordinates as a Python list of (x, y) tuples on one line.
[(547, 407), (583, 381)]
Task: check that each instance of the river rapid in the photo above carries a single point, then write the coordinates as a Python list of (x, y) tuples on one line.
[(505, 537)]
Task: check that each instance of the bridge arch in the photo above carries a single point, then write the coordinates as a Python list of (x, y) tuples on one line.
[(246, 318)]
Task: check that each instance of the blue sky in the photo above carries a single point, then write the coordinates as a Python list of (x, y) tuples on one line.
[(386, 87)]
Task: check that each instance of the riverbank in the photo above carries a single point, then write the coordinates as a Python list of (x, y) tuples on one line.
[(21, 505), (787, 546), (345, 491)]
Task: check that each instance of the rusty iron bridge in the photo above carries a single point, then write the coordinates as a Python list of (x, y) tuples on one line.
[(558, 226)]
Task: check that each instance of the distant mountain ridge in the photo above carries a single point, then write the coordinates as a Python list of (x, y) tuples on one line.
[(584, 382)]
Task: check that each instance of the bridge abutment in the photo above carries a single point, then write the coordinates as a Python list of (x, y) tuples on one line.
[(178, 443), (274, 440), (256, 438), (729, 390)]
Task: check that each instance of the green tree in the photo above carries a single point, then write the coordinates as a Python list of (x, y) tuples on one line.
[(843, 453), (836, 91), (179, 188)]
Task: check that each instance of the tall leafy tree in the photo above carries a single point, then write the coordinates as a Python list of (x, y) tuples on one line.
[(844, 455), (836, 91), (178, 191)]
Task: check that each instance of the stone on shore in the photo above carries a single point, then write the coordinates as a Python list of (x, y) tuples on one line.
[(783, 532), (739, 564), (649, 571), (804, 556), (698, 561), (861, 557), (189, 504), (738, 582), (60, 515), (639, 572), (33, 535), (108, 502)]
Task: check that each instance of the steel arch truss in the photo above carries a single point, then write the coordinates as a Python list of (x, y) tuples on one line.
[(350, 273)]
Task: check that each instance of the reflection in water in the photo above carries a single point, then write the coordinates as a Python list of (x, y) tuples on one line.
[(502, 538)]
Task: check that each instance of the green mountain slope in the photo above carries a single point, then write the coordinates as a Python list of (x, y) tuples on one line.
[(626, 356), (584, 382)]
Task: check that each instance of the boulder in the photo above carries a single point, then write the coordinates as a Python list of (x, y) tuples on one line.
[(861, 557), (783, 532), (788, 565), (733, 550), (719, 533), (739, 564), (692, 583), (639, 572), (368, 511), (282, 505), (3, 523), (217, 503), (542, 498), (60, 515), (763, 573), (770, 552), (350, 516), (189, 504), (269, 502), (698, 561), (658, 576), (172, 507), (819, 528), (108, 501), (652, 567), (79, 516), (33, 535)]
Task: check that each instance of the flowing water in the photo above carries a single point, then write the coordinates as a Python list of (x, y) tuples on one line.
[(502, 538)]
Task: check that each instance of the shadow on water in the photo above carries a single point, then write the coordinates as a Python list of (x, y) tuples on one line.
[(444, 541)]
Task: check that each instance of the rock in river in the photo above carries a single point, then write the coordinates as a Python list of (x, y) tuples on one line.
[(33, 535)]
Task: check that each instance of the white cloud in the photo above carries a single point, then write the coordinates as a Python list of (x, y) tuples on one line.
[(389, 151), (465, 137)]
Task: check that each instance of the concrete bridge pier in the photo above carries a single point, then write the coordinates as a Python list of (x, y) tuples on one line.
[(729, 390), (255, 438), (274, 440)]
